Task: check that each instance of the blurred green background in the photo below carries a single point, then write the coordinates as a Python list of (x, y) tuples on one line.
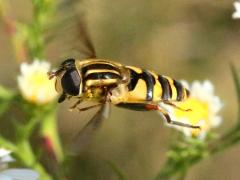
[(191, 40)]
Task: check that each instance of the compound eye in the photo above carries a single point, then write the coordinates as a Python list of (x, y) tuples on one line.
[(71, 82)]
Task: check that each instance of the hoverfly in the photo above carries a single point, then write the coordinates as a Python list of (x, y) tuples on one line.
[(130, 87), (107, 82)]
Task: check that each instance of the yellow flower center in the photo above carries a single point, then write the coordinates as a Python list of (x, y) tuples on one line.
[(199, 114), (39, 80)]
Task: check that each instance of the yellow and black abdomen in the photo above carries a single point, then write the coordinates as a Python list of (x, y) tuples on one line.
[(172, 90), (147, 86)]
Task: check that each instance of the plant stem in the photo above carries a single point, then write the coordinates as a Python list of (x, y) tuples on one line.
[(26, 155)]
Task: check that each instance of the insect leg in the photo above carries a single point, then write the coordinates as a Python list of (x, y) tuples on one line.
[(89, 107), (175, 106), (62, 98), (166, 115), (75, 105)]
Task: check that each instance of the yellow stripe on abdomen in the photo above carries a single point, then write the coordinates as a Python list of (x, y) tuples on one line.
[(173, 88)]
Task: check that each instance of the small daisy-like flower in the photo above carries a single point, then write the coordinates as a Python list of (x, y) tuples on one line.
[(11, 174), (5, 158), (204, 107), (19, 174), (34, 83), (236, 14)]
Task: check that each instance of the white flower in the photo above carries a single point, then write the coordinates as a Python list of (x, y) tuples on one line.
[(34, 83), (13, 174), (236, 14), (19, 174), (204, 107), (5, 158)]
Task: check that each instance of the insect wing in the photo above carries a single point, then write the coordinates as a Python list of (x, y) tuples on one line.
[(73, 37), (83, 138)]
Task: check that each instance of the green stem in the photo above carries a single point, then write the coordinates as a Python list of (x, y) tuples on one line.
[(26, 155), (42, 11)]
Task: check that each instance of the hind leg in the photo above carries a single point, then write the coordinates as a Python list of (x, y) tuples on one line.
[(175, 106), (166, 115)]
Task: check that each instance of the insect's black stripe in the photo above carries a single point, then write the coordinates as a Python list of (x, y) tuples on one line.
[(179, 89), (187, 92), (102, 75), (150, 81), (134, 77), (166, 88), (170, 89), (99, 66)]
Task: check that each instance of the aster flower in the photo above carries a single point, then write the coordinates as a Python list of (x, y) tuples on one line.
[(236, 14), (11, 174), (18, 174), (5, 158), (204, 107), (34, 83)]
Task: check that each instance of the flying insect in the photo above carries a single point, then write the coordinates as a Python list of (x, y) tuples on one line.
[(130, 87), (107, 82)]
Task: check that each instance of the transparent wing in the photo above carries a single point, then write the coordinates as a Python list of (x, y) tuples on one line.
[(84, 136), (69, 34)]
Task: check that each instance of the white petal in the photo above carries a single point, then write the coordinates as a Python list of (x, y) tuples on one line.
[(196, 89), (4, 177), (237, 5), (6, 159), (216, 104), (216, 121), (20, 174), (4, 152), (187, 132), (236, 15), (185, 84), (24, 68), (208, 86)]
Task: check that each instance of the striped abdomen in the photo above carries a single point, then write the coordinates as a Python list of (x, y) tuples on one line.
[(100, 74), (145, 85)]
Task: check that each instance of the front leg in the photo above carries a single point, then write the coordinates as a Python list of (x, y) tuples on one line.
[(76, 104)]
